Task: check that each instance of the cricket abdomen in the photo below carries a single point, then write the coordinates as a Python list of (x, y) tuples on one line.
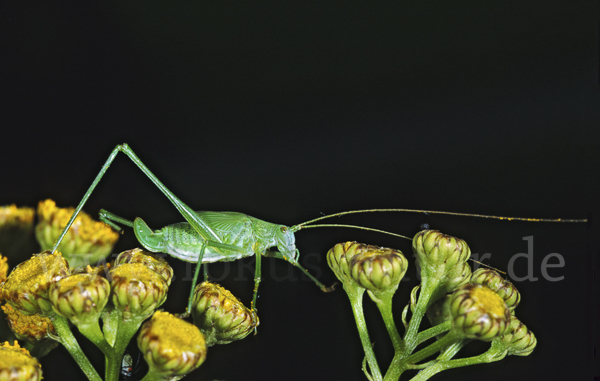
[(183, 242)]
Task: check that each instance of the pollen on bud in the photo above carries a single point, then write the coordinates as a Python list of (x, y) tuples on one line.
[(502, 287), (137, 290), (220, 315), (87, 241), (80, 297), (478, 312), (3, 269), (171, 346), (434, 249), (26, 287), (149, 259), (16, 364), (378, 269), (30, 328)]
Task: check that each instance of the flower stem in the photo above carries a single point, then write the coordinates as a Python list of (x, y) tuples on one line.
[(125, 331), (428, 287), (384, 303), (356, 297), (493, 354), (61, 324), (433, 331), (94, 334)]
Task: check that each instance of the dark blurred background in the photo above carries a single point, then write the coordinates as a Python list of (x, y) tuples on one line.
[(286, 111)]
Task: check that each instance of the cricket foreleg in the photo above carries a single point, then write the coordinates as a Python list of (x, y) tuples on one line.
[(277, 254), (319, 284)]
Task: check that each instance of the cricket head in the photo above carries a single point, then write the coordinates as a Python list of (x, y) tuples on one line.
[(286, 243)]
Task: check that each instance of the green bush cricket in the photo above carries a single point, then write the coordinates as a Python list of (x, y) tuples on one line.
[(208, 237)]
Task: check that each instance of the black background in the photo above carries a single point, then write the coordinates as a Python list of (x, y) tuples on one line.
[(287, 111)]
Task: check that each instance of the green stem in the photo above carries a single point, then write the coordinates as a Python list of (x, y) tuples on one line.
[(495, 353), (125, 331), (399, 364), (384, 303), (94, 334), (356, 296), (433, 331), (411, 334), (69, 341)]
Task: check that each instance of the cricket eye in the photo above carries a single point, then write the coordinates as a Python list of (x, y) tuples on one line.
[(284, 229)]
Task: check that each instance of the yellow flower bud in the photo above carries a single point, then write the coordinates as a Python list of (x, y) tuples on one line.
[(26, 287), (436, 250), (80, 297), (378, 269), (137, 290), (87, 241), (16, 364), (3, 269), (29, 328), (221, 317), (149, 259), (478, 312), (171, 346), (502, 287), (519, 340), (339, 259)]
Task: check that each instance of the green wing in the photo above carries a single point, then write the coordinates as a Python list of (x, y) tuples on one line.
[(227, 225)]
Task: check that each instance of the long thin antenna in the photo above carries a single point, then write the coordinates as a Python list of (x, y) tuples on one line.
[(297, 227), (304, 224)]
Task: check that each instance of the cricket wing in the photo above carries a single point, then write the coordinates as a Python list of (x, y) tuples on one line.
[(233, 228)]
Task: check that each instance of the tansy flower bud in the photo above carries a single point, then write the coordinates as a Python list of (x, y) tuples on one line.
[(458, 276), (221, 317), (434, 249), (478, 312), (171, 346), (378, 269), (26, 287), (86, 242), (34, 329), (339, 259), (149, 259), (137, 290), (30, 328), (3, 269), (16, 364), (519, 340), (494, 281), (80, 298)]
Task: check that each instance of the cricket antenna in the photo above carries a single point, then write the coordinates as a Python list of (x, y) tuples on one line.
[(305, 224), (295, 228)]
